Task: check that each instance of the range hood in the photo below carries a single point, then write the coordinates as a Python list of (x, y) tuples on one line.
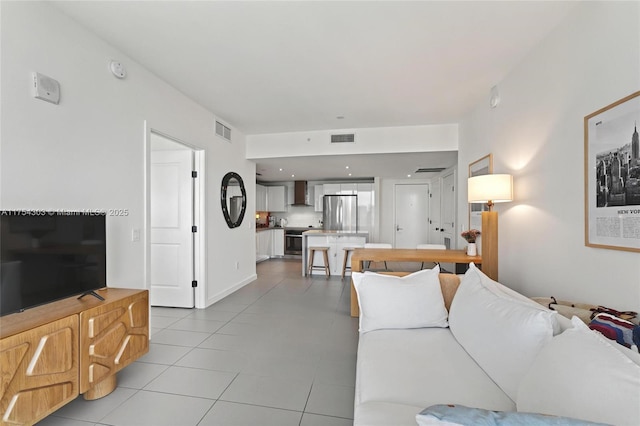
[(301, 196)]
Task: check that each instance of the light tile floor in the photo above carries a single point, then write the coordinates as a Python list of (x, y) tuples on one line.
[(280, 351)]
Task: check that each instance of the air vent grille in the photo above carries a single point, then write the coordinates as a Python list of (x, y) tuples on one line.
[(429, 170), (343, 138), (223, 131)]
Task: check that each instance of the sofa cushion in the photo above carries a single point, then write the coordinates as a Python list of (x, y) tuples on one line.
[(418, 368), (377, 413), (412, 301), (590, 377), (502, 332)]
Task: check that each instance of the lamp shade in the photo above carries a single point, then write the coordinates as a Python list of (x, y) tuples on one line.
[(490, 189)]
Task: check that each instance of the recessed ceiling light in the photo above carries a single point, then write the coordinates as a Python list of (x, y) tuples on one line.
[(408, 175), (349, 174), (281, 169), (293, 175), (347, 167)]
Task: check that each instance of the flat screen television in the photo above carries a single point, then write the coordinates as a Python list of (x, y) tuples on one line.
[(47, 256)]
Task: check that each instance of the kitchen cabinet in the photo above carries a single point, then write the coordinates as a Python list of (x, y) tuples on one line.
[(340, 188), (336, 244), (276, 199), (269, 243), (318, 191), (366, 204), (348, 188), (261, 198), (331, 189), (263, 244), (277, 242)]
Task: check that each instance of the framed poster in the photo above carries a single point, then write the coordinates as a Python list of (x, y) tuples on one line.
[(483, 166), (612, 176)]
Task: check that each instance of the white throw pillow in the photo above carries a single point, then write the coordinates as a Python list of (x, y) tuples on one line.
[(502, 333), (583, 375), (412, 301)]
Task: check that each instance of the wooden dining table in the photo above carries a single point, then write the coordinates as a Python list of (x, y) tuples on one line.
[(362, 255)]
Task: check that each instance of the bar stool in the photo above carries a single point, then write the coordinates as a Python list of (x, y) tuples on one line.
[(345, 262), (325, 255)]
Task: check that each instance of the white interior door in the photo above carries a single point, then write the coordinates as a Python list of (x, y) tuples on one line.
[(411, 213), (171, 251)]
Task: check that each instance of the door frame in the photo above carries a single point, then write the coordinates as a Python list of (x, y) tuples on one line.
[(199, 216)]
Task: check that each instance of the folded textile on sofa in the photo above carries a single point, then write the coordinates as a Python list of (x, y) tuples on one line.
[(448, 415), (617, 329)]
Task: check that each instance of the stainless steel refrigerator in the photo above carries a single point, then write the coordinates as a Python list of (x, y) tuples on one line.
[(340, 213)]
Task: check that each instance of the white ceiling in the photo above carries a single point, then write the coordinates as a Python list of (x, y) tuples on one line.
[(391, 166), (268, 67)]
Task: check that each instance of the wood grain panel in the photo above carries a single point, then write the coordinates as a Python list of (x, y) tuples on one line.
[(112, 336), (39, 371)]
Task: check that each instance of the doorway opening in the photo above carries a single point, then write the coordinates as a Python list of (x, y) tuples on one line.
[(174, 238)]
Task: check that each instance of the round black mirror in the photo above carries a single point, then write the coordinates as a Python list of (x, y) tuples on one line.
[(233, 197)]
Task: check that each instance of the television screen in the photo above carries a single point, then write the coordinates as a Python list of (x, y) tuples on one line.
[(46, 256)]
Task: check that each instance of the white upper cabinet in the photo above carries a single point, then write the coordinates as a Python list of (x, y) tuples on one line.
[(318, 191), (261, 198), (276, 199), (348, 188), (331, 189)]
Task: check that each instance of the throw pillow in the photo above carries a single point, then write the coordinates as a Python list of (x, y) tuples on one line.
[(581, 374), (501, 332), (412, 301)]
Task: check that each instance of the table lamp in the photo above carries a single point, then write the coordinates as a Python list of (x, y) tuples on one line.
[(490, 189)]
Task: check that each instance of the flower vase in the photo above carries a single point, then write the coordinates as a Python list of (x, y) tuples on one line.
[(472, 250)]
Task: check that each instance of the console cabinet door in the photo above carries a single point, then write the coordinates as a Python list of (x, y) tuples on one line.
[(39, 371), (112, 336)]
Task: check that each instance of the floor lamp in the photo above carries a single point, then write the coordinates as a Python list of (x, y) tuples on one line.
[(490, 189)]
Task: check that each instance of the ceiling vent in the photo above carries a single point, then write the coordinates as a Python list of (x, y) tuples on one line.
[(429, 170), (344, 138), (223, 131)]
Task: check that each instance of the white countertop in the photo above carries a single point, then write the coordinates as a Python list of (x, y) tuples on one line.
[(320, 232)]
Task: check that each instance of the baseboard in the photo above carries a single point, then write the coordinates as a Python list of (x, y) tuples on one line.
[(225, 293)]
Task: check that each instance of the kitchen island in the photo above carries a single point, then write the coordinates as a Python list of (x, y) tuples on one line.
[(336, 241)]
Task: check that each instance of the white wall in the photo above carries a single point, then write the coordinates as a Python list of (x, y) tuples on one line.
[(536, 133), (88, 152)]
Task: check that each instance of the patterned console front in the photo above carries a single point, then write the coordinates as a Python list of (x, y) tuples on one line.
[(112, 336), (39, 371), (52, 353)]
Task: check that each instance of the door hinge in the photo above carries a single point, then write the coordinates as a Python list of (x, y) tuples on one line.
[(194, 283), (194, 174), (430, 196), (194, 228)]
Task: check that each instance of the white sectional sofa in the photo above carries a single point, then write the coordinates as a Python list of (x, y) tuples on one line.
[(475, 343)]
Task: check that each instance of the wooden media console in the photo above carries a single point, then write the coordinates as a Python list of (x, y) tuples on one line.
[(52, 353)]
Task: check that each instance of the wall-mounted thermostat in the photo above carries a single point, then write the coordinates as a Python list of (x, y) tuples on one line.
[(117, 69), (46, 88)]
